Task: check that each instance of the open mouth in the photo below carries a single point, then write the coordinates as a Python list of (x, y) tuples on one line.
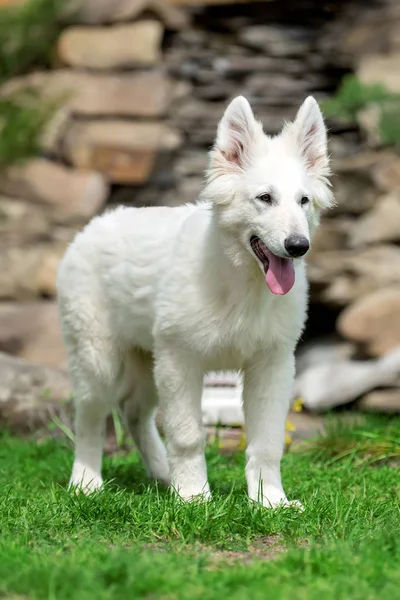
[(279, 272)]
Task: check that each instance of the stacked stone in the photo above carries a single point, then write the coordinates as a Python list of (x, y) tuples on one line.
[(109, 128), (141, 85)]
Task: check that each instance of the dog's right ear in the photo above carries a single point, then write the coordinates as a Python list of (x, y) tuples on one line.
[(236, 133)]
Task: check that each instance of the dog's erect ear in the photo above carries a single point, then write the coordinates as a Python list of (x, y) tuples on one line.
[(236, 133), (310, 131)]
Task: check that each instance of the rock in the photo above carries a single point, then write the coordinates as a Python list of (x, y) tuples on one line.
[(172, 16), (222, 379), (369, 119), (386, 174), (211, 2), (380, 224), (27, 273), (237, 65), (336, 383), (276, 40), (367, 32), (96, 12), (124, 152), (358, 178), (46, 275), (374, 321), (332, 234), (381, 68), (340, 277), (22, 222), (354, 193), (188, 190), (218, 90), (31, 330), (326, 350), (53, 132), (199, 119), (115, 47), (222, 405), (363, 162), (305, 425), (191, 162), (228, 439), (281, 89), (381, 401), (31, 395), (345, 145), (70, 195), (138, 94)]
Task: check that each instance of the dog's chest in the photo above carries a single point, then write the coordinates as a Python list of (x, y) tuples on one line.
[(234, 332)]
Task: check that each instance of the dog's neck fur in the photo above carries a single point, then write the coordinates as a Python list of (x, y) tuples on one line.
[(234, 263)]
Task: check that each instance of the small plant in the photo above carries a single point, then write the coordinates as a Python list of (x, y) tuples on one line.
[(353, 96), (27, 36), (389, 125), (356, 442), (23, 117)]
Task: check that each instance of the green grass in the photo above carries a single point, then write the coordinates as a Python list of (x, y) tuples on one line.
[(136, 541)]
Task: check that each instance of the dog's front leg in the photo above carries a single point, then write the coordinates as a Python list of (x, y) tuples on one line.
[(268, 382), (179, 379)]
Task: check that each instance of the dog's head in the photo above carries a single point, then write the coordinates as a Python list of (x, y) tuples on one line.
[(268, 191)]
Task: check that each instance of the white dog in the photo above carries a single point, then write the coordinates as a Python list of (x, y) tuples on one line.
[(152, 298)]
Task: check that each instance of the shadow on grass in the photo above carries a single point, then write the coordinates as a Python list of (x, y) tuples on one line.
[(128, 473)]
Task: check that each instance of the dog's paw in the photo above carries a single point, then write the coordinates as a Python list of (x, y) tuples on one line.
[(85, 480), (282, 503), (274, 497), (192, 496), (295, 504)]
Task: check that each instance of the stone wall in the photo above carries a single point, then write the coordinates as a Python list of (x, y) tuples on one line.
[(141, 85)]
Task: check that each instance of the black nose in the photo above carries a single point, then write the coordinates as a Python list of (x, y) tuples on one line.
[(296, 245)]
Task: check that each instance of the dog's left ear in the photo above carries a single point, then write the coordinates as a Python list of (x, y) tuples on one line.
[(310, 134)]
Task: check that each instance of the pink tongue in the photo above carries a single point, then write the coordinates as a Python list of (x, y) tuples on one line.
[(280, 275)]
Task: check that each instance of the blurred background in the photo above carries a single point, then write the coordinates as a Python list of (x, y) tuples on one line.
[(116, 102)]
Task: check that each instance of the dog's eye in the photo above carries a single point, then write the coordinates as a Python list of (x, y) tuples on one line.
[(304, 200), (265, 198)]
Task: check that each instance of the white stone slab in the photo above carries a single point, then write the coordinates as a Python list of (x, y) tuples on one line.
[(221, 401)]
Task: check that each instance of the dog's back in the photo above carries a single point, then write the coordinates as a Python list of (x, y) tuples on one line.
[(111, 271)]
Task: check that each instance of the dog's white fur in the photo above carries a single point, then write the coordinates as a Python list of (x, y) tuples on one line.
[(152, 298)]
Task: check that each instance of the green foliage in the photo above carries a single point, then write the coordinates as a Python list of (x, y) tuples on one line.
[(22, 119), (134, 540), (356, 443), (353, 96), (389, 125), (27, 36)]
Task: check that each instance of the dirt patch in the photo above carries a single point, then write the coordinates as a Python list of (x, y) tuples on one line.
[(269, 547)]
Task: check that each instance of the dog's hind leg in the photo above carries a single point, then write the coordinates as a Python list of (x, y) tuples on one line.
[(94, 373), (140, 410), (90, 422)]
